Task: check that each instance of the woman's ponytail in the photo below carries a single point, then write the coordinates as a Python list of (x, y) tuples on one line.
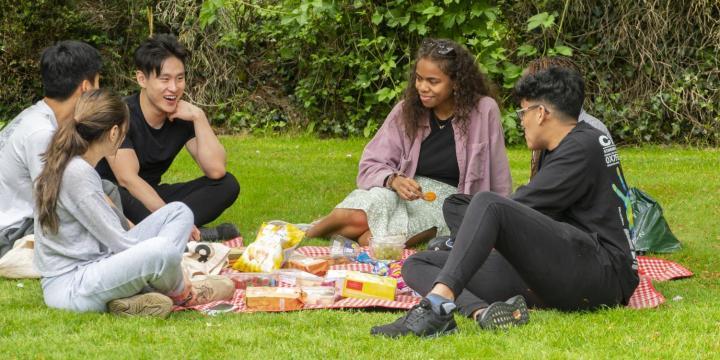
[(96, 113)]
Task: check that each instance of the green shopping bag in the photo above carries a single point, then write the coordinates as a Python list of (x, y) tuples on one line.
[(651, 232)]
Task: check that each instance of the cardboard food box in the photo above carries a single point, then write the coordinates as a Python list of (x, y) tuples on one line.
[(308, 264), (362, 285), (319, 295), (273, 298)]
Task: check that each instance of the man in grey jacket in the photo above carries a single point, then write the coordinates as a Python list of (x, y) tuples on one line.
[(68, 69)]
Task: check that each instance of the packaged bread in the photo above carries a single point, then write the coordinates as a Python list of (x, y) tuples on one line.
[(273, 298), (315, 266), (362, 285), (318, 295)]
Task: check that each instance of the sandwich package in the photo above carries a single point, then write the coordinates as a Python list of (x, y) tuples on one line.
[(273, 298), (315, 266)]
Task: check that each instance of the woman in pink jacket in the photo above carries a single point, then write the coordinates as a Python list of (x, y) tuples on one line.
[(445, 137)]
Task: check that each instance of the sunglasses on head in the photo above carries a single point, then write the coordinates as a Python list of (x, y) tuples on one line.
[(441, 47)]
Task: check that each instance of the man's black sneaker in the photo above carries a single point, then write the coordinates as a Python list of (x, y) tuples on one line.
[(504, 314), (221, 232), (421, 320), (441, 243)]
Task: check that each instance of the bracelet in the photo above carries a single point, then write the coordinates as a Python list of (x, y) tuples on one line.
[(392, 178), (388, 182)]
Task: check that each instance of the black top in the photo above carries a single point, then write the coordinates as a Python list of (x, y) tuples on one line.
[(155, 148), (581, 183), (437, 159)]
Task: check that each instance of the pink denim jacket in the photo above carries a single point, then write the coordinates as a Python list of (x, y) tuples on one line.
[(481, 155)]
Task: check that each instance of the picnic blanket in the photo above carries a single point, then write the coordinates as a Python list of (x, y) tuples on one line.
[(645, 296)]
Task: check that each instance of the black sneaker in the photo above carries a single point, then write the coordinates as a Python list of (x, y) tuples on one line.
[(421, 320), (221, 232), (441, 243), (503, 315)]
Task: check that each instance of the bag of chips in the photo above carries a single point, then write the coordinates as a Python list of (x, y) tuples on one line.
[(275, 242)]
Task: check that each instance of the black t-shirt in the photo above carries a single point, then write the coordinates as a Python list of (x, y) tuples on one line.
[(155, 148), (581, 183), (437, 159)]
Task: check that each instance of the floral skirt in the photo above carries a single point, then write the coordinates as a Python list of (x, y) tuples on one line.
[(387, 214)]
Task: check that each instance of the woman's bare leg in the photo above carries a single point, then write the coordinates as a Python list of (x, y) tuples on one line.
[(351, 223), (364, 239)]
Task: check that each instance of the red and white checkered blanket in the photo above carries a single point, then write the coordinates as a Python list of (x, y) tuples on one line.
[(645, 296)]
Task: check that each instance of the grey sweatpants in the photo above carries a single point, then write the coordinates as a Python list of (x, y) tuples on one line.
[(152, 263)]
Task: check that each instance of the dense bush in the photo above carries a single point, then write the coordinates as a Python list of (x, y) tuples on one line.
[(28, 26), (336, 67)]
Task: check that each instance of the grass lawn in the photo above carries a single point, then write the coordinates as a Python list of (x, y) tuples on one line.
[(299, 179)]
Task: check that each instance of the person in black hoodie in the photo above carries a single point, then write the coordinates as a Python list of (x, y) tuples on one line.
[(562, 240)]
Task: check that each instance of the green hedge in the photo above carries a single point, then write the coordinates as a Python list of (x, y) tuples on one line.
[(335, 68)]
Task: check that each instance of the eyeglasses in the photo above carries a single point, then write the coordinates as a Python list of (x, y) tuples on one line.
[(519, 113), (441, 47)]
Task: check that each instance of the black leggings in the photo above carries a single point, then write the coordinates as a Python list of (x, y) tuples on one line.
[(496, 280), (553, 264), (206, 198)]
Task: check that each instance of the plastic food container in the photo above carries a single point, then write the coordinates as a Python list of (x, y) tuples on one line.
[(294, 277), (318, 295), (245, 280), (387, 247)]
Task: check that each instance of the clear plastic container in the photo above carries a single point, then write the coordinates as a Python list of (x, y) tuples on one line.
[(295, 277), (318, 295), (245, 280), (387, 247), (343, 247)]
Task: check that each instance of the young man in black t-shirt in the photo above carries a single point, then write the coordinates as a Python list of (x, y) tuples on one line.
[(161, 124), (562, 240)]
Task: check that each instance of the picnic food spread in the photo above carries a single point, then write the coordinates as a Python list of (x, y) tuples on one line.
[(276, 278)]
